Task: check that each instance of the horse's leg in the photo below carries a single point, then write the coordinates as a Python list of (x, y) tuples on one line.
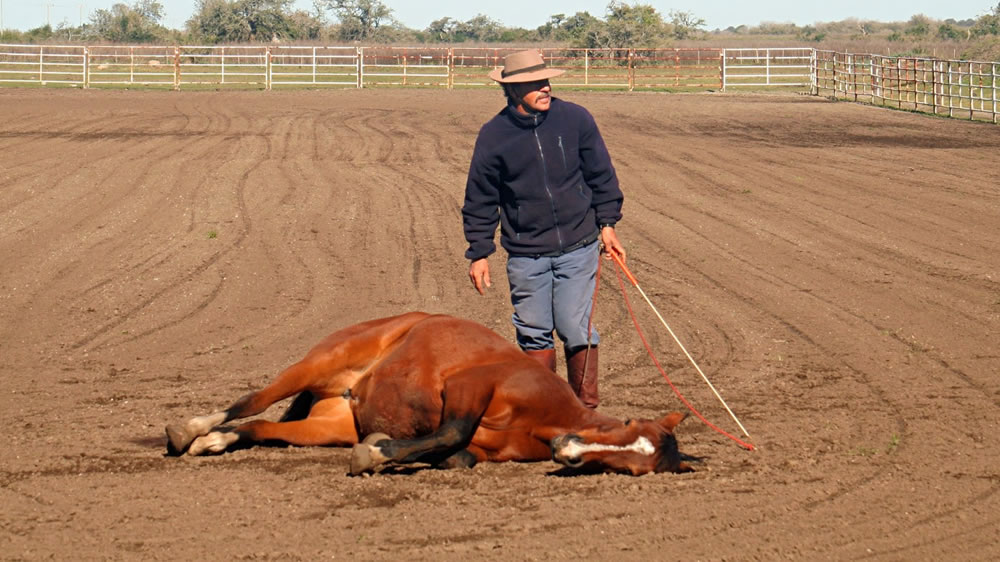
[(461, 459), (291, 381), (330, 422), (466, 397), (300, 407), (329, 369)]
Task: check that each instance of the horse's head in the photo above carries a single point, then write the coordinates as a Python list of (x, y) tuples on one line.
[(635, 447)]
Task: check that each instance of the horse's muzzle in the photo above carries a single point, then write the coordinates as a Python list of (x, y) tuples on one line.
[(566, 450)]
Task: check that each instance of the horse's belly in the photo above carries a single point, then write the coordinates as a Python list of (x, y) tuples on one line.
[(402, 411), (510, 445)]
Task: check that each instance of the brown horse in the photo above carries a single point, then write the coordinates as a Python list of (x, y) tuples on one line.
[(439, 390)]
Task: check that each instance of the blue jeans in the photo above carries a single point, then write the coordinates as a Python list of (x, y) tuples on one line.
[(553, 293)]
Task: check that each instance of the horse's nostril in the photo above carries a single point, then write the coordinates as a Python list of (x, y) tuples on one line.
[(565, 450)]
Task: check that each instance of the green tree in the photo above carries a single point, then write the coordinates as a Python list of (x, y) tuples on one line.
[(235, 21), (988, 24), (627, 25), (124, 23), (480, 28), (442, 30), (39, 34), (574, 28), (362, 20), (810, 33), (919, 26), (949, 32), (548, 29), (774, 28), (686, 25)]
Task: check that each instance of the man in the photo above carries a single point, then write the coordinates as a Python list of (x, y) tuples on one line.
[(541, 170)]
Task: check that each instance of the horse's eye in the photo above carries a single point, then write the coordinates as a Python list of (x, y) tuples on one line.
[(628, 421)]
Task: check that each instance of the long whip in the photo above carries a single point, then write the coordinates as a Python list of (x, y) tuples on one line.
[(635, 283)]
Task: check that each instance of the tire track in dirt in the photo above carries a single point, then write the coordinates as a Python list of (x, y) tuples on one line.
[(691, 165), (62, 172), (861, 375), (284, 256), (355, 210), (85, 222), (382, 163), (849, 240), (941, 280), (220, 121)]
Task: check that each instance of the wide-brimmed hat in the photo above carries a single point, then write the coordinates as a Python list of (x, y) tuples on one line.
[(524, 66)]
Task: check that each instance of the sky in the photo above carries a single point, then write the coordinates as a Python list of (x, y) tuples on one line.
[(417, 14)]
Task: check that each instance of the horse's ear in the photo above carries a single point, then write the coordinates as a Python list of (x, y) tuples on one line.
[(670, 421)]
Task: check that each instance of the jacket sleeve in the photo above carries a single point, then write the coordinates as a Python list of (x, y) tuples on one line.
[(599, 173), (481, 211)]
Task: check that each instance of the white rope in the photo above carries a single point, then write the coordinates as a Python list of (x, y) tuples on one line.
[(691, 359)]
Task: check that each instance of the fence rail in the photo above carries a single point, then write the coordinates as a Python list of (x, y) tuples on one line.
[(943, 87), (952, 87), (275, 66), (767, 67)]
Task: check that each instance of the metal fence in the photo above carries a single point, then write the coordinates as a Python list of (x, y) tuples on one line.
[(952, 87), (944, 87), (277, 66), (767, 67)]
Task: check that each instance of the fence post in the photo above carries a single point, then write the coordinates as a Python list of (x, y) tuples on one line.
[(41, 65), (933, 99), (360, 52), (972, 93), (586, 67), (404, 65), (677, 67), (814, 75), (854, 76), (86, 68), (451, 68), (631, 71), (900, 81), (268, 71), (722, 69), (177, 68), (767, 66), (951, 91), (994, 68), (222, 59), (871, 78), (882, 80)]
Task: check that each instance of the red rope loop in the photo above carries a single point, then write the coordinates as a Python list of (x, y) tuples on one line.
[(649, 350)]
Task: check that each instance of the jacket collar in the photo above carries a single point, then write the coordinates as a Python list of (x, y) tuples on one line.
[(529, 121)]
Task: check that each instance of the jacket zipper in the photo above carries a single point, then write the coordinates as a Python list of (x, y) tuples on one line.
[(545, 181), (562, 151)]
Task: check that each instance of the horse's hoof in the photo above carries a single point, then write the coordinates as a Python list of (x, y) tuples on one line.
[(361, 459), (178, 439), (365, 456), (373, 438), (214, 442)]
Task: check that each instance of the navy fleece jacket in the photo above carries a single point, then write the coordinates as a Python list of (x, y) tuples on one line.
[(546, 178)]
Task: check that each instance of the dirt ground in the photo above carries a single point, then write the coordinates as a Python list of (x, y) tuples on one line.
[(833, 267)]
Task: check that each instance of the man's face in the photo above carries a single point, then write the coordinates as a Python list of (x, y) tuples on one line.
[(534, 96)]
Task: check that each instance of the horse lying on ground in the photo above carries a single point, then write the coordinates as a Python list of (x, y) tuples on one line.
[(439, 390)]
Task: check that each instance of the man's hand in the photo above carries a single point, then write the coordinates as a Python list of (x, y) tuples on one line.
[(479, 272), (611, 243)]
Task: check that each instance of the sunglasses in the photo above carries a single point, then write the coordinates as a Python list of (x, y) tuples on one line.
[(523, 88)]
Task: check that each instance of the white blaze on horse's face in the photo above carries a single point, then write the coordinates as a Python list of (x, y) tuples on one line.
[(636, 457), (575, 449)]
